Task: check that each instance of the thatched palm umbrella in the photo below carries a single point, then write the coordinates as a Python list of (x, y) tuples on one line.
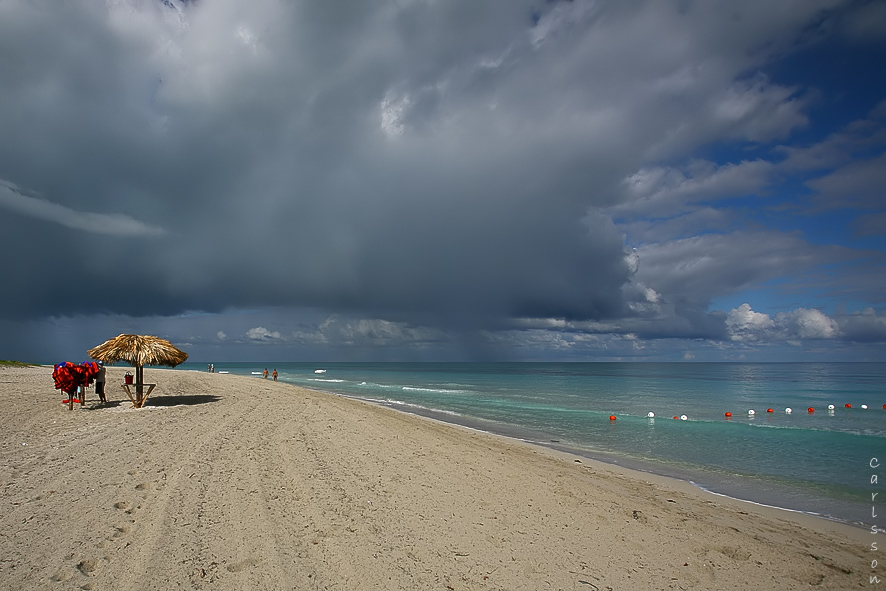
[(139, 350)]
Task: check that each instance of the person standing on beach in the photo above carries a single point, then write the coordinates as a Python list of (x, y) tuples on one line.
[(100, 379), (266, 373), (275, 374)]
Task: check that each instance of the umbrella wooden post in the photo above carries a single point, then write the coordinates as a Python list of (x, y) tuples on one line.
[(139, 385), (138, 400), (128, 393), (141, 395)]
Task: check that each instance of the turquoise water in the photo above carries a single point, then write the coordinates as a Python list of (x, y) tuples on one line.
[(811, 462)]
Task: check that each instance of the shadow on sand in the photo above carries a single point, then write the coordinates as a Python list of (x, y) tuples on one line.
[(182, 399), (96, 405)]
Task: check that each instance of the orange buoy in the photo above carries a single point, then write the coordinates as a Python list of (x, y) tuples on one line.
[(678, 418), (611, 417), (728, 414), (769, 410), (848, 405), (811, 409)]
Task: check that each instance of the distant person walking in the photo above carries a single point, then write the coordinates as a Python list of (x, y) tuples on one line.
[(275, 374), (100, 379), (266, 373)]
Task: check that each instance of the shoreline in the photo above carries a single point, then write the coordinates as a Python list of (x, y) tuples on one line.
[(224, 481), (565, 453)]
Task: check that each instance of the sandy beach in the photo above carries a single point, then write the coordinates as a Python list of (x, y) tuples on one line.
[(227, 482)]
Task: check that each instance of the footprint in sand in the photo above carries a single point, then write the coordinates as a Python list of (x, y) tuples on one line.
[(62, 575), (243, 565), (144, 486), (88, 567), (125, 507)]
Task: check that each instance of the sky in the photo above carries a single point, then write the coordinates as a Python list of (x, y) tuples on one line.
[(429, 180)]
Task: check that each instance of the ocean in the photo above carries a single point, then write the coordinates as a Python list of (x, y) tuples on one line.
[(813, 462)]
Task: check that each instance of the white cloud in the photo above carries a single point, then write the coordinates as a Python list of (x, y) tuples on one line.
[(797, 325), (704, 267), (393, 109), (808, 324), (746, 325), (262, 334), (661, 192), (760, 111)]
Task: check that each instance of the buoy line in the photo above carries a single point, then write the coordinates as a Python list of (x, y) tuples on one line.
[(751, 412)]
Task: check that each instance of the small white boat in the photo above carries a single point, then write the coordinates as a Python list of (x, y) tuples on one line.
[(319, 371)]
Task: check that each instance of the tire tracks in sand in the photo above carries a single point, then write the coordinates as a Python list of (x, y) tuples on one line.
[(205, 514)]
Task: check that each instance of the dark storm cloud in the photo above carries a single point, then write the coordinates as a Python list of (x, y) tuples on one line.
[(427, 165), (318, 154)]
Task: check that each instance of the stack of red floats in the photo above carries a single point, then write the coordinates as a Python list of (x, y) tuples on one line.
[(70, 376)]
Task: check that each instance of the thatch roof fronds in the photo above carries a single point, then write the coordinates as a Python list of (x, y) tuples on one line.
[(139, 350)]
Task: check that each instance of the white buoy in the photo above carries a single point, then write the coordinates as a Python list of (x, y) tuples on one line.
[(830, 407), (650, 414), (684, 418), (788, 410), (752, 412)]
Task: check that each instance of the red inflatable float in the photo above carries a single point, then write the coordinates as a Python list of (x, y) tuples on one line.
[(69, 377)]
